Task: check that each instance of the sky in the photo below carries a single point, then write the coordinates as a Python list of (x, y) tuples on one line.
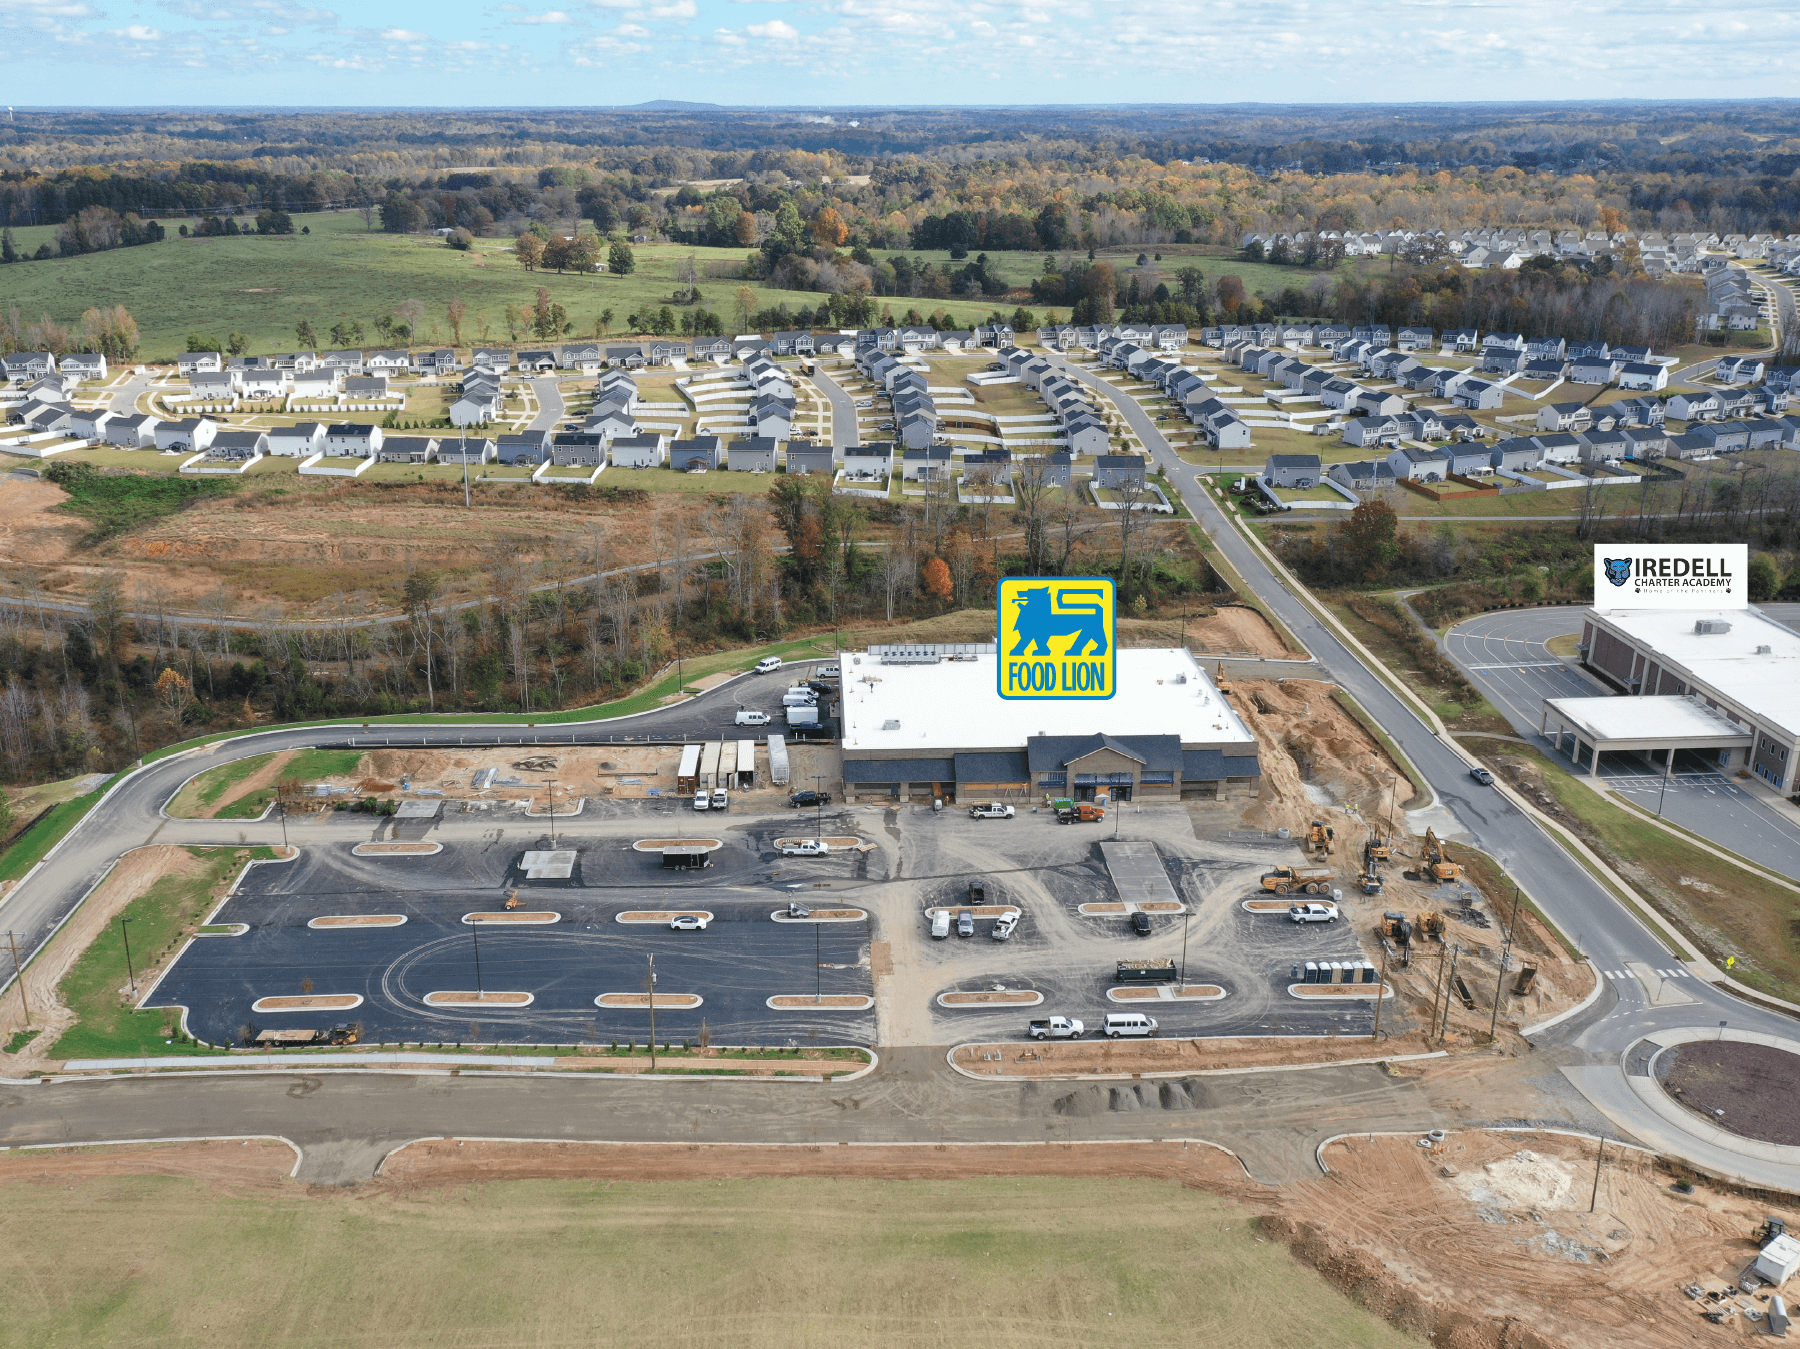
[(588, 53)]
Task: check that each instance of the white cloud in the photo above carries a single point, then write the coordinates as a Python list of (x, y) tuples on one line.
[(550, 16), (774, 29), (403, 35), (138, 32), (673, 9)]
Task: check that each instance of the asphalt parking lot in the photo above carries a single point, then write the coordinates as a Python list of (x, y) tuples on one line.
[(743, 959)]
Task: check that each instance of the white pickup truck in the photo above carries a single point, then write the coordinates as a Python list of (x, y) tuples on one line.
[(805, 847), (1313, 913), (1057, 1028), (993, 810)]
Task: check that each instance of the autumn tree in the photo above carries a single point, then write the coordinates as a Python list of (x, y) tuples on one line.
[(936, 579), (746, 229), (1369, 540), (530, 250), (173, 692), (829, 229), (455, 311)]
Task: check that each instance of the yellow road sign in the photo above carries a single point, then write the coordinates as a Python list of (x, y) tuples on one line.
[(1055, 637)]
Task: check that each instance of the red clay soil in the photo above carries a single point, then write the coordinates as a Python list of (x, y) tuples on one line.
[(1755, 1085)]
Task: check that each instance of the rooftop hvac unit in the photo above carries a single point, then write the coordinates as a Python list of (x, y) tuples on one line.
[(1765, 650), (891, 724), (1181, 679), (1710, 627)]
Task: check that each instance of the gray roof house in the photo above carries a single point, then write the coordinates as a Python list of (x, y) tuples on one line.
[(83, 365), (1363, 475), (195, 363), (1515, 455), (297, 441), (472, 450), (648, 449), (190, 433), (698, 454), (1564, 417), (353, 440), (408, 449), (753, 454), (1693, 407), (1591, 370), (1292, 470), (238, 446), (1365, 431), (1478, 394), (89, 423), (577, 449), (1469, 457), (1119, 470), (928, 463), (1420, 465), (522, 447), (1056, 469), (804, 456), (132, 430), (871, 462)]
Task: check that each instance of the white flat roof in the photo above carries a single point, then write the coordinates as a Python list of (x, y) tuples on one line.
[(1764, 685), (956, 705), (1664, 720)]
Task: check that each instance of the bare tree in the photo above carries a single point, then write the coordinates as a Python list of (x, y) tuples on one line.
[(1032, 487)]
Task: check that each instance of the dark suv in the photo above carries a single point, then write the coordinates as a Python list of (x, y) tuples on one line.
[(810, 798)]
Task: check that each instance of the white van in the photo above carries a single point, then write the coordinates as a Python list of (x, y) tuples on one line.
[(768, 663), (940, 924), (749, 716), (1128, 1023), (800, 696)]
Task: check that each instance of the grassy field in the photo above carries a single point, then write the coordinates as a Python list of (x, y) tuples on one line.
[(199, 797), (106, 1027), (262, 286), (794, 1263)]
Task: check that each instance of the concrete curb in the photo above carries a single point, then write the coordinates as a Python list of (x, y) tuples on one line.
[(140, 1142), (1003, 1078), (1319, 1152), (1526, 1032)]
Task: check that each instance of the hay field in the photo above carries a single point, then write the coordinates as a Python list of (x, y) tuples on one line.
[(130, 1261)]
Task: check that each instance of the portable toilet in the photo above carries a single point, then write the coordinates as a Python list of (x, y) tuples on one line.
[(1312, 971), (1337, 972)]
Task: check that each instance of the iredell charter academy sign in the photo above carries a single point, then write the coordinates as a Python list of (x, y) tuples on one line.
[(1671, 576), (1055, 637)]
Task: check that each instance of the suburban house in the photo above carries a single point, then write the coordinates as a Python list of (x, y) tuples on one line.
[(1056, 469), (191, 363), (408, 449), (1365, 431), (1469, 457), (1515, 455), (696, 455), (1564, 417), (536, 362), (23, 365), (927, 464), (190, 433), (88, 423), (522, 447), (1413, 339), (870, 462), (585, 357), (213, 386), (1558, 448), (388, 360), (754, 454), (1643, 376), (297, 441), (348, 361), (804, 456), (83, 365), (1421, 426), (315, 384), (1418, 463), (1544, 370), (478, 450), (1292, 470), (1363, 475), (1638, 411), (577, 449), (1694, 407), (1478, 394), (131, 430), (490, 358), (1119, 470), (353, 440), (366, 388), (1647, 442), (649, 449), (992, 466), (1461, 426), (238, 446), (1379, 403), (1591, 370)]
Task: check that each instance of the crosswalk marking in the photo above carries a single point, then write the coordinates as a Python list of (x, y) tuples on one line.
[(1667, 974)]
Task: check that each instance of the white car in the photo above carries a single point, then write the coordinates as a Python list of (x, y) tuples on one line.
[(702, 799), (690, 922), (1313, 913), (721, 799), (768, 663), (1004, 928), (749, 716), (993, 810), (805, 847)]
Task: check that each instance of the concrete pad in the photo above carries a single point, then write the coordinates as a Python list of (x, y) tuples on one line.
[(1659, 990)]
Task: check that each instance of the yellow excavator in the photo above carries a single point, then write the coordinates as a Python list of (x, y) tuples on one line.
[(1430, 925), (1378, 849), (1437, 860), (1319, 839), (1222, 681)]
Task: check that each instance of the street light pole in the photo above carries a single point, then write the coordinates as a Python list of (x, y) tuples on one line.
[(1668, 767), (650, 989), (552, 785), (1185, 915), (284, 838), (1505, 952), (127, 936), (475, 936)]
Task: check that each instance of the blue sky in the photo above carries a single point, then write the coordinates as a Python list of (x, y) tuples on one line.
[(573, 53)]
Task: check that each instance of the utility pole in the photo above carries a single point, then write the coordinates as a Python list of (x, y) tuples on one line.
[(1668, 767), (650, 990), (552, 784), (1380, 992), (1184, 936), (463, 443), (1505, 952), (475, 936), (818, 809), (284, 839), (128, 970), (1594, 1198), (19, 976), (1455, 955), (1437, 984)]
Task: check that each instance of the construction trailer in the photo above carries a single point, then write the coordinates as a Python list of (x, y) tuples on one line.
[(746, 765), (687, 777), (727, 777), (685, 858), (709, 764), (778, 760)]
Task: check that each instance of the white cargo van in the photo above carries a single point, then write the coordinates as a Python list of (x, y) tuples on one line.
[(799, 696), (1128, 1023), (940, 923), (768, 663)]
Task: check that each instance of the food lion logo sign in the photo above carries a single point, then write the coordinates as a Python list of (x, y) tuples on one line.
[(1055, 637), (1671, 576)]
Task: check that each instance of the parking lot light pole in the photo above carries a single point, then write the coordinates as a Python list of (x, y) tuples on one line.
[(650, 990), (284, 838), (475, 936), (551, 782), (1184, 931)]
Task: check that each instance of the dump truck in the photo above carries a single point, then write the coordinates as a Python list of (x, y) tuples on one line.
[(1305, 880)]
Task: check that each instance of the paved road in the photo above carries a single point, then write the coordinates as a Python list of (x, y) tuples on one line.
[(125, 400), (550, 404), (843, 409), (1505, 656)]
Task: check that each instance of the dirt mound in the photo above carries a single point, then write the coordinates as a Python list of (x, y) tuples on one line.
[(1524, 1180), (1317, 761)]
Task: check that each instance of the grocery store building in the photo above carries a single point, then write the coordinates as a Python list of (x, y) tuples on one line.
[(928, 721)]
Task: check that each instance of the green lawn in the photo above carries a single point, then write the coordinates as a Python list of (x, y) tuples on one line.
[(135, 1261), (28, 849), (106, 1027), (263, 285)]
